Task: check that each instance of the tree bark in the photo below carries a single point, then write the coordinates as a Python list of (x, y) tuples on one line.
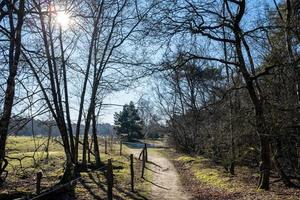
[(14, 55), (261, 127), (96, 145), (257, 101), (57, 111), (82, 98)]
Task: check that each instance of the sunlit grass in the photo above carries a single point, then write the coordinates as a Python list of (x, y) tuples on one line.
[(205, 173), (215, 178), (32, 153)]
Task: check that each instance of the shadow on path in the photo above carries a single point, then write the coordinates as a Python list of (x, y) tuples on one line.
[(153, 163), (148, 168), (156, 184)]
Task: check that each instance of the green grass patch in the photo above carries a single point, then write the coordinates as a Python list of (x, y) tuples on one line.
[(204, 171), (27, 156), (212, 177), (185, 159)]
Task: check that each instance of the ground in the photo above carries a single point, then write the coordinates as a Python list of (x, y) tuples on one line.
[(27, 157), (208, 181), (166, 182), (168, 175)]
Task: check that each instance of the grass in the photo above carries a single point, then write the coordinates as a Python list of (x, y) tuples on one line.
[(206, 172), (27, 156), (203, 172), (205, 175), (212, 177)]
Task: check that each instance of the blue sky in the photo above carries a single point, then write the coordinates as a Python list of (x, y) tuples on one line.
[(119, 98), (143, 89), (123, 97)]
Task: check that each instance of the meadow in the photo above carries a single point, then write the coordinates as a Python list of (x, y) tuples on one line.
[(28, 155)]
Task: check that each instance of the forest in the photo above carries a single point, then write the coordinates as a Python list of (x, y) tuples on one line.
[(221, 99)]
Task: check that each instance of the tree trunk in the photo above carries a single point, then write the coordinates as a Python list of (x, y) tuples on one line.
[(90, 149), (14, 55), (48, 141), (70, 171), (96, 145), (257, 101), (232, 138), (69, 123), (265, 164), (279, 155), (88, 120), (82, 98), (85, 137)]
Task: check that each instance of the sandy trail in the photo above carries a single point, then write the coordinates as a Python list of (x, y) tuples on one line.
[(165, 179)]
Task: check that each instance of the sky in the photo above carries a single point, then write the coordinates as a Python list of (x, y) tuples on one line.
[(124, 97), (119, 98)]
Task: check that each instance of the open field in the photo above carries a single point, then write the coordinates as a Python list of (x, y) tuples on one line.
[(27, 156)]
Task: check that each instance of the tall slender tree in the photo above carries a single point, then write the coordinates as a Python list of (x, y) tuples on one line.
[(14, 14)]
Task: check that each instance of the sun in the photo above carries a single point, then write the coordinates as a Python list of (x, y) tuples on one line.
[(63, 19)]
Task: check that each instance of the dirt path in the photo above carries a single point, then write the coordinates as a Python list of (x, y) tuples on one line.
[(165, 179)]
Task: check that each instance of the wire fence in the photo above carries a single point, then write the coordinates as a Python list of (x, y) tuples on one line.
[(107, 169)]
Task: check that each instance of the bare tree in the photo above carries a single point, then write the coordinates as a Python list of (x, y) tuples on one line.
[(104, 28), (221, 23), (113, 28), (14, 14)]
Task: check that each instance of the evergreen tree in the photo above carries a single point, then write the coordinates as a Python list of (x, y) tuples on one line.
[(129, 122)]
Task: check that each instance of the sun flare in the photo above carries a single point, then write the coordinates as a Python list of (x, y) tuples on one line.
[(63, 19)]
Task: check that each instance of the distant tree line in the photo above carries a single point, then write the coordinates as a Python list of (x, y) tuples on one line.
[(26, 127)]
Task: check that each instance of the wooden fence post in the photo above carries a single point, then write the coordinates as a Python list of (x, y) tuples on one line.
[(105, 146), (39, 176), (141, 154), (146, 153), (121, 147), (110, 180), (111, 143), (132, 172), (143, 163)]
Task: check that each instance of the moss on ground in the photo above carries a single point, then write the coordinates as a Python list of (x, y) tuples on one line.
[(213, 177), (216, 180), (205, 173)]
